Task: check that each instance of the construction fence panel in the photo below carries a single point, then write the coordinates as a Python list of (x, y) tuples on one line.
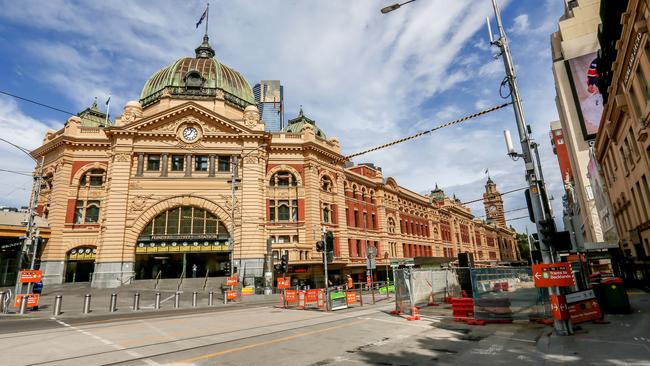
[(506, 294), (432, 286), (402, 291)]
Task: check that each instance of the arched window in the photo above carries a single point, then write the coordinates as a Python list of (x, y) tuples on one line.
[(391, 225), (283, 179), (185, 221), (327, 213), (283, 210), (326, 184), (93, 178)]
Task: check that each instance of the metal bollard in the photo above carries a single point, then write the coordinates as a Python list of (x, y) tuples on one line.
[(57, 305), (210, 298), (2, 302), (113, 305), (225, 297), (194, 294), (86, 309), (136, 301), (157, 303), (177, 300), (23, 304)]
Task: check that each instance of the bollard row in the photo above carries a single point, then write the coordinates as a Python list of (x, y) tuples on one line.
[(112, 306)]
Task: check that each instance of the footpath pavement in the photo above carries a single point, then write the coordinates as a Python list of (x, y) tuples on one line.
[(623, 340)]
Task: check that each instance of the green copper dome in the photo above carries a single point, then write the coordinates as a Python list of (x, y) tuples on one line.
[(295, 125), (199, 77)]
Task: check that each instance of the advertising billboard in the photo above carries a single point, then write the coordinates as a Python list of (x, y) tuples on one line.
[(584, 78)]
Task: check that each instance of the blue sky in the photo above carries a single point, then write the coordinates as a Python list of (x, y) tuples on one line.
[(365, 77)]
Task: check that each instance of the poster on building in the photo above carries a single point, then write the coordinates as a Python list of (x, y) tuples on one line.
[(584, 78)]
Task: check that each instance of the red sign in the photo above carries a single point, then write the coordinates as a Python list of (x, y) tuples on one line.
[(554, 274), (284, 282), (291, 295), (231, 294), (32, 301), (231, 281), (351, 297), (311, 295), (583, 306), (559, 308), (31, 276)]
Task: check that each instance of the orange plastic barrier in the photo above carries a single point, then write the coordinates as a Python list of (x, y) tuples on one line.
[(291, 296), (231, 294), (351, 297), (462, 308), (32, 301)]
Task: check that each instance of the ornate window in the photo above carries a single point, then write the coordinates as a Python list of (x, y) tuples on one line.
[(201, 163), (93, 178), (178, 163), (326, 184), (391, 225), (223, 164), (283, 210), (193, 80), (153, 163), (283, 179), (185, 220), (87, 212), (327, 213)]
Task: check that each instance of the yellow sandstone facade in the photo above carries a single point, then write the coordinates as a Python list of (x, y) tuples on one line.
[(151, 194)]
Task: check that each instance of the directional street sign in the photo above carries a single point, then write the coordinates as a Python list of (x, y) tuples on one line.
[(554, 274)]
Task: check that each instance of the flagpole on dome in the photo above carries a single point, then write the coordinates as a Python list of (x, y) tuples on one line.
[(207, 18)]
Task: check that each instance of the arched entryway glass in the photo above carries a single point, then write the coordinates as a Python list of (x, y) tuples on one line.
[(80, 264), (184, 240)]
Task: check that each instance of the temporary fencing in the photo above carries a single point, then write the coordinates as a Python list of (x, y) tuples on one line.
[(506, 294), (422, 287), (499, 294)]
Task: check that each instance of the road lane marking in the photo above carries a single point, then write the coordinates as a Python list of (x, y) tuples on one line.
[(272, 341)]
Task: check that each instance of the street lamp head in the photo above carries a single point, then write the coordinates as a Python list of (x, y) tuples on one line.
[(390, 8)]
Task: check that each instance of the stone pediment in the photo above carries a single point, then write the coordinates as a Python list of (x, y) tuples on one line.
[(189, 114)]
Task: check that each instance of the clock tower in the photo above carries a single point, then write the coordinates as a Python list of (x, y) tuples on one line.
[(493, 204)]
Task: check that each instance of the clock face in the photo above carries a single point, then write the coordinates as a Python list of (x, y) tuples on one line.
[(190, 133), (492, 208)]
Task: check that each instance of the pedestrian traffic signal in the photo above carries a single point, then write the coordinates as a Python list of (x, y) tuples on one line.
[(547, 229), (284, 262), (320, 246), (329, 241)]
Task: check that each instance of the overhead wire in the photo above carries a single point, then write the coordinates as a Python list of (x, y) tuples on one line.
[(36, 102), (504, 193), (419, 134)]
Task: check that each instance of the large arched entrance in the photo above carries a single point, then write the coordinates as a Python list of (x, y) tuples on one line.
[(183, 239), (80, 264)]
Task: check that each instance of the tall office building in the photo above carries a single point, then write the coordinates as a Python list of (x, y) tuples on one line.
[(269, 96), (574, 50)]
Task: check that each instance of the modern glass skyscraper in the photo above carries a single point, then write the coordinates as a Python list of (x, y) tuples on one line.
[(270, 102)]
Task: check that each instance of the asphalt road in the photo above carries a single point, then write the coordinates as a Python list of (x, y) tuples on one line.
[(268, 336)]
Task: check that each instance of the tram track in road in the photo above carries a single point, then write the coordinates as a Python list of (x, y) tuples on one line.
[(345, 317), (50, 325)]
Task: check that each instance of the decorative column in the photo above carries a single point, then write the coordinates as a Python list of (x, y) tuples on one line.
[(115, 259), (140, 168), (163, 168), (188, 165), (211, 169)]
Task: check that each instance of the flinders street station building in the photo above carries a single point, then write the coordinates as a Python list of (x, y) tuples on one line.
[(151, 193)]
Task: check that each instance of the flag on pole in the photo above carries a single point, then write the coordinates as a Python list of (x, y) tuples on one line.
[(205, 13), (273, 102), (280, 108), (108, 100)]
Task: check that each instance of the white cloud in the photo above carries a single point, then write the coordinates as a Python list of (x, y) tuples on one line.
[(521, 24), (27, 133)]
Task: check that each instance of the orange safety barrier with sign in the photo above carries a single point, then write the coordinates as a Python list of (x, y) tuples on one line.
[(351, 297), (31, 302), (248, 291), (284, 282), (231, 281), (559, 308), (312, 296), (31, 276), (231, 294), (583, 306), (291, 295)]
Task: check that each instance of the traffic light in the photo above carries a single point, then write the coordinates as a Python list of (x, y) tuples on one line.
[(320, 246), (329, 246), (226, 267), (547, 229), (284, 262)]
